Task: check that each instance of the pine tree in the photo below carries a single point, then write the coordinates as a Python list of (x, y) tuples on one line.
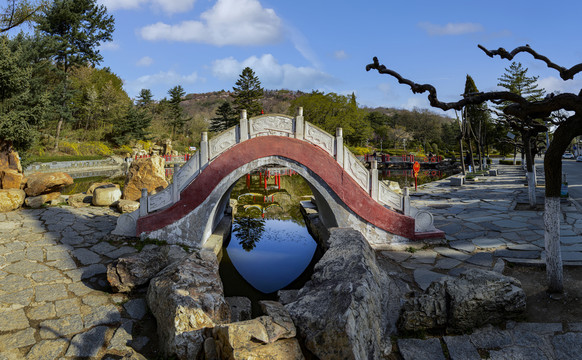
[(74, 29), (226, 117), (515, 80), (247, 93), (177, 117), (145, 98)]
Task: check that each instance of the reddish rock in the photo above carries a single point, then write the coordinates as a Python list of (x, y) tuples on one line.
[(43, 183), (148, 173), (9, 158), (10, 179)]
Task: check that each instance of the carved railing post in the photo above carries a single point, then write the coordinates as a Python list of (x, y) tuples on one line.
[(299, 124), (339, 146), (244, 126), (143, 203), (406, 202), (175, 190), (374, 186), (204, 150)]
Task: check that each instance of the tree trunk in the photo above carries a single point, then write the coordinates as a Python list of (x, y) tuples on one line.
[(59, 124), (554, 267), (462, 156), (553, 172)]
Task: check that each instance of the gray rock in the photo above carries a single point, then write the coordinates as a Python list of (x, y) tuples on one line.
[(349, 308), (476, 298), (280, 325), (136, 308), (240, 308), (185, 298), (124, 274), (461, 348)]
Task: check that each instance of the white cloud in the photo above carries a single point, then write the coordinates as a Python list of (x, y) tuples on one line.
[(109, 46), (121, 4), (416, 102), (556, 85), (145, 61), (167, 6), (340, 55), (272, 74), (451, 28), (160, 82), (229, 22)]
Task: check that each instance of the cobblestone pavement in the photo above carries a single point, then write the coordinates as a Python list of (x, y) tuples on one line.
[(53, 298), (485, 230)]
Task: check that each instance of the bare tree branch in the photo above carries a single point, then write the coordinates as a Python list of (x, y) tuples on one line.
[(565, 74), (476, 98)]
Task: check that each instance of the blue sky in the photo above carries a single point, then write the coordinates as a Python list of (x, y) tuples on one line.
[(203, 45)]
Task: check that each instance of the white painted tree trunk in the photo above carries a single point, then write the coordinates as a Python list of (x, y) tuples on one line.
[(554, 268), (531, 188)]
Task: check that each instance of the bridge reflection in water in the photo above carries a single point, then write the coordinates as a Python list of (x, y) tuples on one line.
[(270, 247)]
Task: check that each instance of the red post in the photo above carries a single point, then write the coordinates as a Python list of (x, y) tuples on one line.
[(260, 178), (265, 177), (248, 181), (279, 181)]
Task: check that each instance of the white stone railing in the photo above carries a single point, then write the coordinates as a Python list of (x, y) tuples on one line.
[(280, 125)]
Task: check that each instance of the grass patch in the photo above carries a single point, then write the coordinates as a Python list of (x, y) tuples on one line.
[(51, 158)]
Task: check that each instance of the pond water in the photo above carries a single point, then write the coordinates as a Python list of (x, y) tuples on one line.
[(270, 247), (406, 177)]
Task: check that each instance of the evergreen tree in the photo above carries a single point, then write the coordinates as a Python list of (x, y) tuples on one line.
[(20, 111), (177, 117), (477, 119), (133, 126), (226, 117), (75, 29), (247, 93), (515, 80), (145, 98), (17, 12)]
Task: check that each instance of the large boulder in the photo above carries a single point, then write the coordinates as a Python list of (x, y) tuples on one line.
[(44, 183), (148, 173), (11, 176), (11, 199), (127, 273), (106, 195), (10, 179), (98, 185), (185, 298), (9, 158), (476, 298), (258, 338), (36, 202), (349, 308), (127, 206)]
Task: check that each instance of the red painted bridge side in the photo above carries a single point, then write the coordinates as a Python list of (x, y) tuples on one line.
[(311, 156)]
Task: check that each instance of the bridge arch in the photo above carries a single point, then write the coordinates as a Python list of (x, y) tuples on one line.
[(346, 193)]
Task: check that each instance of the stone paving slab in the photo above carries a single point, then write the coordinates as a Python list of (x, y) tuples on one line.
[(52, 265)]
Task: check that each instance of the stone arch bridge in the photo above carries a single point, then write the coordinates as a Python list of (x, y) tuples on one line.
[(346, 193)]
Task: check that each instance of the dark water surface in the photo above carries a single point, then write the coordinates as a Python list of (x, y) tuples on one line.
[(270, 248)]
